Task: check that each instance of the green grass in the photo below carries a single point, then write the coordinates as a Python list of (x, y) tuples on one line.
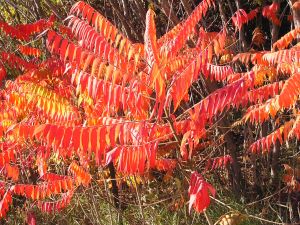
[(95, 206)]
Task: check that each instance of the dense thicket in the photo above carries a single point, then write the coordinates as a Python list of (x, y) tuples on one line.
[(130, 105)]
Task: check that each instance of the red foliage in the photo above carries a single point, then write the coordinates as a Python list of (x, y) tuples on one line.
[(27, 50), (2, 72), (16, 62), (102, 99), (56, 206), (4, 203), (31, 220), (219, 162), (199, 193), (270, 12), (165, 164)]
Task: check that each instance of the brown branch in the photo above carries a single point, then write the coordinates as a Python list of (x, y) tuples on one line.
[(173, 129), (125, 7), (275, 154), (141, 13), (222, 13), (230, 7), (129, 29), (168, 11), (186, 6), (52, 8), (39, 12)]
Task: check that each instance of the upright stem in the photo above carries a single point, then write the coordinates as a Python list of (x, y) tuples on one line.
[(253, 157), (53, 9), (139, 200), (138, 7), (230, 7), (208, 219), (275, 163)]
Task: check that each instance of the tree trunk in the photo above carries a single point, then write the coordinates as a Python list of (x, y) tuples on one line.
[(275, 154), (274, 29), (115, 190), (237, 177), (296, 15)]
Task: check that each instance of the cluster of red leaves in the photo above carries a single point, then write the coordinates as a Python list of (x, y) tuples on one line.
[(12, 31), (2, 72), (12, 172), (219, 162), (241, 17), (51, 207), (15, 61), (25, 31), (30, 51), (199, 192), (43, 190), (132, 158), (281, 134), (284, 41), (165, 164), (270, 12), (188, 26), (218, 73), (81, 176), (5, 203)]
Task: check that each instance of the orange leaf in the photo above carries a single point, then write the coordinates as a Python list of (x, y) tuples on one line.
[(12, 172)]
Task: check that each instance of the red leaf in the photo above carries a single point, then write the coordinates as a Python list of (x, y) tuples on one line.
[(2, 72), (31, 220), (27, 50), (165, 164), (199, 193), (81, 176), (4, 203), (151, 50), (241, 17), (270, 13)]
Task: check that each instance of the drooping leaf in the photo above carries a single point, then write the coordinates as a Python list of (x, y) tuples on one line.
[(199, 191)]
